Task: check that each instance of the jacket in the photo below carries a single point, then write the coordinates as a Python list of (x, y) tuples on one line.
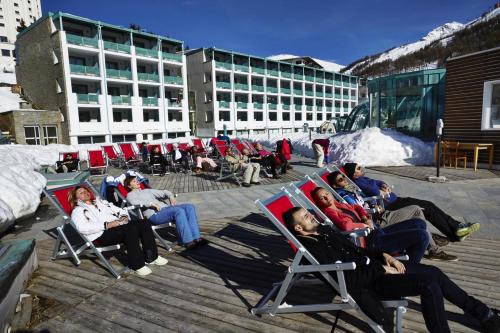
[(90, 220), (372, 188), (348, 218), (324, 143), (149, 196), (284, 147)]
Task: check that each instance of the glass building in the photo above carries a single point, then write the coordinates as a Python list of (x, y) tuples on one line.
[(410, 103)]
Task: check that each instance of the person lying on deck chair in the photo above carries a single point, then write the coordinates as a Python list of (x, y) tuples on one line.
[(68, 164), (264, 160), (251, 170), (380, 276), (454, 230), (159, 212), (386, 218), (410, 235), (200, 158), (156, 157), (179, 156), (105, 224)]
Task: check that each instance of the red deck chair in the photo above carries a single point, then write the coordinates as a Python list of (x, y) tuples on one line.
[(304, 262), (226, 169), (250, 146), (155, 168), (113, 157), (198, 143), (129, 156), (97, 161), (235, 141), (70, 243), (74, 154)]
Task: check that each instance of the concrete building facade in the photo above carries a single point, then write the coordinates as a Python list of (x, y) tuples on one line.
[(111, 84), (32, 127), (247, 95), (12, 14)]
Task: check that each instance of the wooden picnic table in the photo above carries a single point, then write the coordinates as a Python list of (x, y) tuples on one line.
[(476, 147)]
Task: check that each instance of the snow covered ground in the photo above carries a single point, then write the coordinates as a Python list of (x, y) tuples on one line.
[(369, 147), (8, 100)]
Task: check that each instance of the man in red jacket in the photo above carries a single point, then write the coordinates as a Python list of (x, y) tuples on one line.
[(320, 149)]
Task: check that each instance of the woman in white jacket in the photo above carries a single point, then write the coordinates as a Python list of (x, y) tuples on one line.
[(105, 224)]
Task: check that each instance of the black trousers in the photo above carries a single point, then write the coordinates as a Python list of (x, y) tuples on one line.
[(433, 286), (130, 235), (268, 161), (442, 221), (161, 161)]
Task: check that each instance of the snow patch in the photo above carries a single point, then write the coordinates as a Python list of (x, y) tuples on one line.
[(8, 100), (327, 65)]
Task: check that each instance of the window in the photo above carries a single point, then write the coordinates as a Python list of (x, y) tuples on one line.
[(491, 106), (50, 135), (242, 116), (124, 138), (209, 116), (286, 116), (151, 115), (224, 116), (208, 97), (3, 39), (298, 116), (18, 20), (319, 116), (174, 135), (5, 53), (91, 139), (16, 4), (273, 116), (174, 115), (309, 116), (32, 135), (157, 136), (17, 12), (89, 115), (2, 25), (122, 115), (258, 116)]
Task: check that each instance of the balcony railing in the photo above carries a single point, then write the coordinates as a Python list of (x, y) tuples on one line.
[(174, 104), (338, 96), (329, 81), (272, 89), (338, 83), (174, 80), (337, 109), (85, 70), (82, 41), (298, 76), (223, 85), (297, 92), (258, 106), (257, 88), (272, 106), (287, 75), (121, 100), (223, 65), (354, 85), (286, 106), (328, 108), (151, 53), (346, 84), (320, 79), (309, 108), (309, 93), (345, 96), (241, 68), (309, 78), (224, 104), (286, 91), (87, 98), (319, 94), (241, 86), (319, 108), (242, 105), (298, 107), (171, 56), (329, 95), (273, 72), (151, 77), (119, 74), (258, 70), (117, 47), (149, 101)]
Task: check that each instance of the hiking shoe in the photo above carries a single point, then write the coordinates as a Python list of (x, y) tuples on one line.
[(440, 240), (492, 324), (160, 261), (465, 229), (246, 184), (143, 271), (440, 256)]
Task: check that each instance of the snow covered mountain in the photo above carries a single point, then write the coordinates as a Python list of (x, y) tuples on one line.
[(440, 37), (327, 65)]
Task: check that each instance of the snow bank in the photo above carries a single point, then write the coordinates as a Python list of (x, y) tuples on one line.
[(8, 100), (369, 147)]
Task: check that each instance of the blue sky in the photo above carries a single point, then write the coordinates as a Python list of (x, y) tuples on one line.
[(340, 31)]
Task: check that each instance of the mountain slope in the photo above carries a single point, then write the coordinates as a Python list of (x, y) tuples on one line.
[(432, 50)]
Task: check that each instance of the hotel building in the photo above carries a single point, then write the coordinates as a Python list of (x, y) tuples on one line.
[(247, 95), (111, 84)]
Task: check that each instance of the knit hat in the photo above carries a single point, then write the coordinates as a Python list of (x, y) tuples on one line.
[(349, 169)]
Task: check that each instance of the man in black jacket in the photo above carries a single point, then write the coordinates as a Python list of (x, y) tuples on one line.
[(379, 276)]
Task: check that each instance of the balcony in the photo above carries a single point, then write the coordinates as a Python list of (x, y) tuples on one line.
[(150, 77), (286, 106), (241, 68), (223, 65), (297, 92), (354, 85), (338, 96), (119, 74), (257, 88), (116, 47), (328, 108), (223, 85), (258, 106), (286, 75), (150, 53), (175, 104), (309, 93), (329, 81), (309, 78), (172, 57), (344, 96), (298, 76), (121, 100), (273, 72), (328, 95), (298, 107), (149, 101), (87, 98), (272, 106), (241, 86), (309, 107), (320, 80), (82, 41), (337, 109), (224, 104), (258, 70), (242, 105), (177, 80), (272, 90), (338, 83), (346, 84), (319, 94), (85, 70), (286, 91), (319, 108)]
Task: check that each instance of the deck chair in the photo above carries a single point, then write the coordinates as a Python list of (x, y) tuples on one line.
[(250, 146), (198, 143), (130, 157), (155, 168), (112, 156), (226, 169), (175, 166), (97, 161), (274, 208), (70, 243), (74, 154)]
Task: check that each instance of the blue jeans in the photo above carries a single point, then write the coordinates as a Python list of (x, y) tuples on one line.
[(410, 236), (184, 216)]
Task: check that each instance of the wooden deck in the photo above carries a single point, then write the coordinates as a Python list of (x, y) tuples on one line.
[(213, 288)]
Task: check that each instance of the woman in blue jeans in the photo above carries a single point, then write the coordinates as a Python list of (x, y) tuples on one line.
[(159, 212)]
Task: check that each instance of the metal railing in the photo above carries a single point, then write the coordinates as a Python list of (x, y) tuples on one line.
[(117, 47), (152, 77), (82, 41), (87, 98), (86, 70), (151, 53), (119, 74)]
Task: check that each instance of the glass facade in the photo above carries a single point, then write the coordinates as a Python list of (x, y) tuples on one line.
[(410, 103)]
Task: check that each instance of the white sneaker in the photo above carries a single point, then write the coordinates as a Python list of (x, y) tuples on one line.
[(143, 271), (160, 261)]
